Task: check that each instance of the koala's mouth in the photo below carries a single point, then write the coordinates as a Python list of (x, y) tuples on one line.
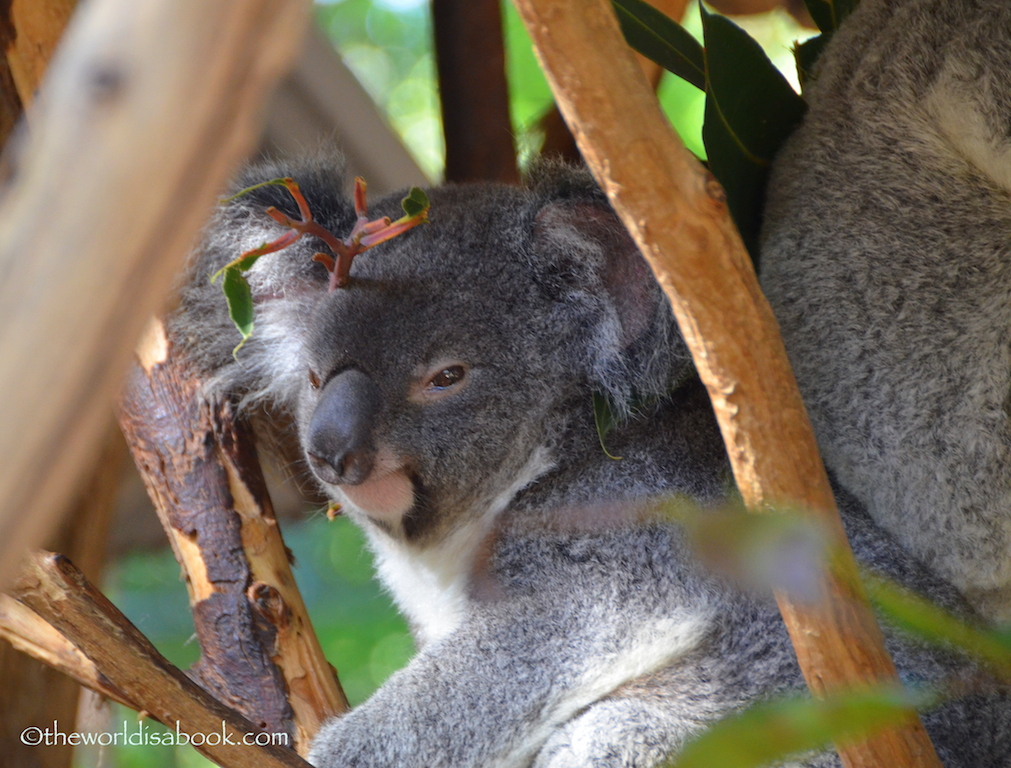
[(395, 501), (386, 497)]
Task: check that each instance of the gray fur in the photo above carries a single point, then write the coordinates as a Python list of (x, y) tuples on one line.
[(560, 621), (887, 259)]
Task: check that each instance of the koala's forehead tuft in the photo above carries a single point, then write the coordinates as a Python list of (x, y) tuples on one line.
[(459, 285), (477, 245)]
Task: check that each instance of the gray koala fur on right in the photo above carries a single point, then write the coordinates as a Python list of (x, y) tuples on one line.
[(445, 397), (886, 256)]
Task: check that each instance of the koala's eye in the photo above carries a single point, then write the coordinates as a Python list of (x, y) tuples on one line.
[(440, 380), (447, 377), (313, 379)]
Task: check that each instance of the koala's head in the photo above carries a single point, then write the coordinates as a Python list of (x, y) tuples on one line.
[(457, 357)]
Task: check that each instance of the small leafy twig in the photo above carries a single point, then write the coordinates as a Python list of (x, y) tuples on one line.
[(365, 234)]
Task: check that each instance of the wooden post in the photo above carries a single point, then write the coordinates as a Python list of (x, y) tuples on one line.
[(677, 214), (470, 55)]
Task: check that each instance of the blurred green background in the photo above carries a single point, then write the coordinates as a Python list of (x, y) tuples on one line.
[(387, 44)]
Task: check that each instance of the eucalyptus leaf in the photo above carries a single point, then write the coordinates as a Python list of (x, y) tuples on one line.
[(661, 39), (829, 14), (242, 263), (771, 731), (741, 175), (605, 420), (240, 303), (750, 110), (415, 203), (284, 181), (919, 616)]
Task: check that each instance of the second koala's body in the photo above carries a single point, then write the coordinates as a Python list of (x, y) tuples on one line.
[(887, 260), (446, 398)]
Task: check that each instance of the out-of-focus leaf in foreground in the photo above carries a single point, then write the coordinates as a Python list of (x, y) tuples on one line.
[(917, 615), (777, 550), (771, 731)]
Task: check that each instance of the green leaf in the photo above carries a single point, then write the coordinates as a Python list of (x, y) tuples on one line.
[(243, 263), (658, 37), (829, 14), (416, 202), (280, 182), (916, 615), (605, 420), (750, 110), (240, 303), (770, 731), (806, 54), (246, 262)]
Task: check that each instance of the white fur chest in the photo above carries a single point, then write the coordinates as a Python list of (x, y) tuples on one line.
[(430, 584)]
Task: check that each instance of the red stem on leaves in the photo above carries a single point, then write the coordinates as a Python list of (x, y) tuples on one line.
[(364, 234)]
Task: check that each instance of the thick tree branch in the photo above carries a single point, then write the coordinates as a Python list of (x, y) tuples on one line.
[(55, 590), (31, 634), (558, 139), (145, 112), (677, 214), (197, 458)]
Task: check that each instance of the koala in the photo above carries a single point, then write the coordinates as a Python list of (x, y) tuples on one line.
[(886, 256), (445, 399)]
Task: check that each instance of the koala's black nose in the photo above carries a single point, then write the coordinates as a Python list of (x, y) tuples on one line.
[(339, 439)]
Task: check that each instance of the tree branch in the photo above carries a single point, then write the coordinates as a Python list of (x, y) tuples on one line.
[(470, 55), (55, 590), (676, 212), (145, 112), (29, 633), (558, 139), (197, 458)]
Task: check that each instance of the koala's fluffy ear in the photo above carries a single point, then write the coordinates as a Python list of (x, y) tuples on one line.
[(286, 285), (625, 336)]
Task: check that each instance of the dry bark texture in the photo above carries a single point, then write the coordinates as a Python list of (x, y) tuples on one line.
[(677, 214), (128, 667), (32, 635), (198, 460), (29, 32)]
